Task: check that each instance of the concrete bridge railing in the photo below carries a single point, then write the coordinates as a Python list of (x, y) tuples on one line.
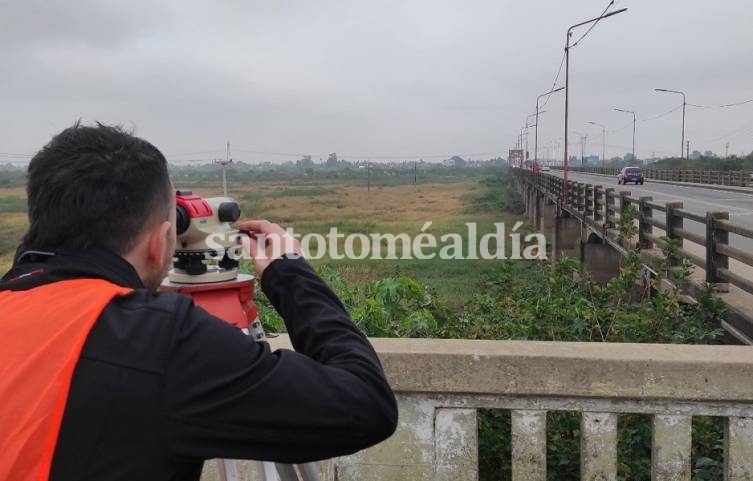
[(571, 214), (440, 385)]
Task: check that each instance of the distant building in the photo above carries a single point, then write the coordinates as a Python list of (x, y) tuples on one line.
[(454, 161), (695, 155), (629, 157), (592, 160), (708, 153)]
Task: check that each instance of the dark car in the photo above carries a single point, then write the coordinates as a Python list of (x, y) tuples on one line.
[(630, 174)]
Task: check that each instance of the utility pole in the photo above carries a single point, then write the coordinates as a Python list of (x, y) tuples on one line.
[(527, 156), (687, 149), (520, 141), (368, 177), (583, 141), (603, 142), (683, 114), (415, 172), (634, 160), (726, 151), (567, 87), (536, 132), (224, 164)]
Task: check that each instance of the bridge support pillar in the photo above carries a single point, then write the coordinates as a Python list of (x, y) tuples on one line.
[(538, 199), (602, 260), (527, 200), (566, 238), (548, 218)]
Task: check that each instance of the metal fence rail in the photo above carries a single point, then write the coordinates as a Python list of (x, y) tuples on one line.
[(739, 178)]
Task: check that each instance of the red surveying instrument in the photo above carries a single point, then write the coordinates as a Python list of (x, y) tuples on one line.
[(206, 269)]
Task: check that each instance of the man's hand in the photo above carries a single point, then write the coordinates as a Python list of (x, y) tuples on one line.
[(266, 242)]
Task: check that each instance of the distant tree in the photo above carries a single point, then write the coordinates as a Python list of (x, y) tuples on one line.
[(306, 162)]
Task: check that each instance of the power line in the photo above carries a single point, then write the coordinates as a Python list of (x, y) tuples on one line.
[(564, 54), (593, 25), (736, 103), (15, 156), (194, 153), (662, 115), (356, 156), (724, 106), (556, 78), (285, 154), (739, 131)]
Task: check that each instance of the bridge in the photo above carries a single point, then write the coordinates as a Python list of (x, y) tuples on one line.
[(711, 223)]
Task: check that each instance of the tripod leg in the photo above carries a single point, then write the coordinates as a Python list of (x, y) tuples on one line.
[(287, 472), (308, 472), (266, 471), (227, 470)]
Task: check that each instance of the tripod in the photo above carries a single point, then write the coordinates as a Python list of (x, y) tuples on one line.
[(233, 302)]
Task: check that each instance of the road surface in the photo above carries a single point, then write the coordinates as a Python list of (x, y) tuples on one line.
[(695, 199)]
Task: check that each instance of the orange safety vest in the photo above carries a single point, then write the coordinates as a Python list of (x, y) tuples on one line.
[(42, 331)]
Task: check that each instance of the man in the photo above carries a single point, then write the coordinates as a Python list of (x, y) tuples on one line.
[(104, 378)]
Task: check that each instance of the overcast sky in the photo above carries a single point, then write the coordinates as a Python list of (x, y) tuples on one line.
[(373, 79)]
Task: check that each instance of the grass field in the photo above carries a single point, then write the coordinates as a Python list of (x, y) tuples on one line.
[(315, 207), (386, 209)]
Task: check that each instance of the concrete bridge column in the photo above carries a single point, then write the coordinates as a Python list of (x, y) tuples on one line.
[(538, 204), (531, 206), (566, 238), (548, 216), (602, 260)]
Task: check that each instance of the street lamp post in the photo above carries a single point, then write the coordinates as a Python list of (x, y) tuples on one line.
[(529, 125), (603, 142), (536, 131), (630, 112), (567, 85), (682, 144), (583, 143)]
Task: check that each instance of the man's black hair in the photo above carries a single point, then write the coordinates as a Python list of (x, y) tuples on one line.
[(95, 186)]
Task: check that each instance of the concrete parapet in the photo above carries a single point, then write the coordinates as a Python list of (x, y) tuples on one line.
[(440, 384)]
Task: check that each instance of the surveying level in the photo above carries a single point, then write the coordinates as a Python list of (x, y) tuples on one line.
[(223, 292), (198, 220)]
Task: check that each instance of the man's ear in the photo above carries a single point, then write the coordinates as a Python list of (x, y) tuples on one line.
[(157, 243)]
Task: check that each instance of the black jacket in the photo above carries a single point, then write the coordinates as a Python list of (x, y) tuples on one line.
[(162, 385)]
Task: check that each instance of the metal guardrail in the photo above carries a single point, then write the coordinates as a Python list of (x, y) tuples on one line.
[(739, 178), (600, 207)]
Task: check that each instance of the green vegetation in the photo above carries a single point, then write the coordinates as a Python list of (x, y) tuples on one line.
[(12, 203), (707, 163), (14, 177), (495, 193)]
